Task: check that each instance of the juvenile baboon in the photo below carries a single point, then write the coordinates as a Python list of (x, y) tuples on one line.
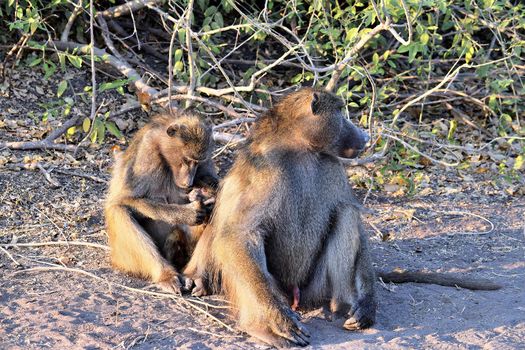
[(286, 220), (152, 224)]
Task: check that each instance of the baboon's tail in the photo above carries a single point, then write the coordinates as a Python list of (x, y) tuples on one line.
[(442, 279)]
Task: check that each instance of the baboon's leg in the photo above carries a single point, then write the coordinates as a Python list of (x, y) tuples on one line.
[(133, 250), (200, 262), (262, 309), (344, 275), (176, 249)]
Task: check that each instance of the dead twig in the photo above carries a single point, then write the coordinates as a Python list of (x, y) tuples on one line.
[(46, 143), (66, 243), (47, 176), (6, 252), (71, 20), (79, 174)]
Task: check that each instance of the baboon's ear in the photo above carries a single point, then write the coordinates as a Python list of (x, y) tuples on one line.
[(173, 130), (316, 100)]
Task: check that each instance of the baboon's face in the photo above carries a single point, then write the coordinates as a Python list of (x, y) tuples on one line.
[(333, 131), (352, 140), (191, 146)]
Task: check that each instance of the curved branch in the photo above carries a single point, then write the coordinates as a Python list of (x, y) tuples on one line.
[(128, 7)]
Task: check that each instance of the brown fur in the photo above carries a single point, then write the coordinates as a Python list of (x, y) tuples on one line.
[(286, 220), (152, 225)]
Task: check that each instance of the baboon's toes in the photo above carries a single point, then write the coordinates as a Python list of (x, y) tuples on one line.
[(187, 283), (275, 340), (360, 319), (291, 329), (171, 286), (199, 290)]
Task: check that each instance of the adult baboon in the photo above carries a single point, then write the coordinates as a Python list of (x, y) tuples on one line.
[(152, 225), (286, 218)]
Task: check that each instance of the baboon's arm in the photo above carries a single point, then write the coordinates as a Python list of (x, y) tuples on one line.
[(442, 279), (171, 213)]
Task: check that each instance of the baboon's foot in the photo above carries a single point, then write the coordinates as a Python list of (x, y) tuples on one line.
[(199, 289), (283, 330), (175, 284), (362, 315)]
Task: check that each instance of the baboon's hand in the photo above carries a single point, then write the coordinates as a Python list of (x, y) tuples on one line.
[(204, 198), (196, 213)]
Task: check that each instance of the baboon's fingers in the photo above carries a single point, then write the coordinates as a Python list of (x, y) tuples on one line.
[(209, 201)]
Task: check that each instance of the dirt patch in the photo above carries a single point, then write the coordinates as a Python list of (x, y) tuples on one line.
[(57, 308)]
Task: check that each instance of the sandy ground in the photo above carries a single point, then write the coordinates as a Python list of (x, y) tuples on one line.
[(67, 297), (48, 307)]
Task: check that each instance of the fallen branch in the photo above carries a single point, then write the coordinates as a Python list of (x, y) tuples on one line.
[(48, 142), (66, 243), (128, 7)]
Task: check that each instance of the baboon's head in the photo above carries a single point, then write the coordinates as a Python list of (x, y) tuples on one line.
[(319, 117), (187, 142)]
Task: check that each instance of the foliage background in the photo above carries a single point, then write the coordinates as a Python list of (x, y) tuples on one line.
[(439, 83)]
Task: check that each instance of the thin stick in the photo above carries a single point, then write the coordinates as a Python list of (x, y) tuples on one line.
[(455, 212), (42, 244), (9, 255), (75, 173), (189, 46), (47, 176), (412, 148)]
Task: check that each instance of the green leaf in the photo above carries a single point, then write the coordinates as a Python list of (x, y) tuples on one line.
[(35, 62), (179, 66), (61, 88), (76, 61), (114, 130), (101, 131), (86, 124), (113, 85), (452, 129), (518, 163), (178, 55), (424, 38), (210, 11), (93, 136), (375, 58), (219, 20)]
